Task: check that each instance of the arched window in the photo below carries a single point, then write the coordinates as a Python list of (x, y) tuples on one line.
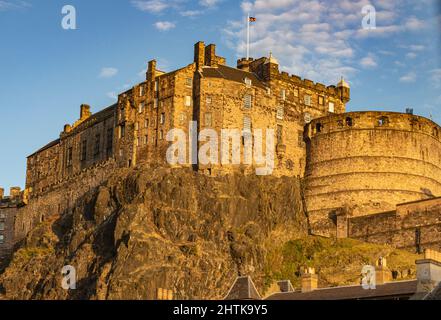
[(349, 122), (319, 127), (435, 132)]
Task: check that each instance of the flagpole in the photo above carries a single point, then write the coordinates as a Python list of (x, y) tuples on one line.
[(248, 37)]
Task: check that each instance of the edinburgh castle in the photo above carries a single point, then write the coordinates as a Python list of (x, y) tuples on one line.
[(371, 176)]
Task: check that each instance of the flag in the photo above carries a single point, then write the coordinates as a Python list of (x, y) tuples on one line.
[(252, 19)]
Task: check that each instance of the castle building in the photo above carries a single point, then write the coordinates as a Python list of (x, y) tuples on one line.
[(8, 210), (354, 165)]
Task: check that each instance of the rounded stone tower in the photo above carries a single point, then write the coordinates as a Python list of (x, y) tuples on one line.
[(368, 162)]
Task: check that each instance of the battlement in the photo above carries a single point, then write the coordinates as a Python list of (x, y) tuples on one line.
[(374, 120), (15, 196)]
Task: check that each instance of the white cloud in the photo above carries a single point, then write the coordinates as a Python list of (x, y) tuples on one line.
[(409, 78), (369, 62), (209, 3), (191, 13), (164, 25), (154, 6), (108, 72), (12, 5)]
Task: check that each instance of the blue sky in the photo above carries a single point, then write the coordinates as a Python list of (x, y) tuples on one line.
[(46, 72)]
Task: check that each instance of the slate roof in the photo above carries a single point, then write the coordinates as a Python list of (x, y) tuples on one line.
[(232, 74), (392, 290), (435, 294), (243, 289)]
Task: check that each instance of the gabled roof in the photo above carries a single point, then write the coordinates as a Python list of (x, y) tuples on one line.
[(232, 74), (404, 289), (243, 289)]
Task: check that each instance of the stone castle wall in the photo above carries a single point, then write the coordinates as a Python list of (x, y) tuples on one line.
[(368, 162), (414, 226)]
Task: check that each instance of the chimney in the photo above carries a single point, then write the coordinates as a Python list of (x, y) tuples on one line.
[(151, 71), (210, 55), (244, 64), (309, 280), (199, 54), (67, 128), (383, 273), (428, 271), (14, 193), (2, 193), (84, 112)]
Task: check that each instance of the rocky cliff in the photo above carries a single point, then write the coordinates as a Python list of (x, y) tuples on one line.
[(154, 228)]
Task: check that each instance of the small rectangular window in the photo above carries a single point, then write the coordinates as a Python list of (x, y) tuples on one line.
[(122, 131), (109, 141), (189, 82), (247, 124), (84, 150), (2, 239), (283, 94), (146, 123), (136, 126), (141, 91), (331, 107), (321, 100), (140, 107), (97, 145), (307, 100), (248, 101), (155, 103), (162, 119), (280, 113), (279, 134), (208, 119), (248, 82), (156, 85), (2, 226), (188, 101), (296, 92), (208, 99), (182, 118), (69, 157), (161, 135)]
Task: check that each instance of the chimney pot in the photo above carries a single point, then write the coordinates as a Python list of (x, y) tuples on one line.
[(84, 111)]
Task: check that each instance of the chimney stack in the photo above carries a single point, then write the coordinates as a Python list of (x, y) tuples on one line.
[(199, 54), (429, 271), (84, 111), (2, 193), (383, 273), (309, 280), (14, 193), (151, 70), (210, 55)]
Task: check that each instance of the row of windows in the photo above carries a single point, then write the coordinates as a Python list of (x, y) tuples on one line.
[(96, 149), (2, 239)]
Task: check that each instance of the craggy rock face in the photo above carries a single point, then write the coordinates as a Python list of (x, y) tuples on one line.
[(149, 230)]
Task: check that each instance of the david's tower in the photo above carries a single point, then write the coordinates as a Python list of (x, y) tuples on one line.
[(344, 91)]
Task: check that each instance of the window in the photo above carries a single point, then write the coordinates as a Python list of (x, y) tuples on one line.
[(140, 107), (84, 150), (136, 125), (307, 99), (141, 91), (283, 94), (248, 82), (208, 119), (121, 152), (268, 91), (247, 124), (2, 226), (188, 101), (146, 139), (146, 123), (122, 114), (349, 122), (189, 82), (182, 118), (208, 100), (308, 117), (318, 127), (109, 141), (279, 134), (122, 131), (2, 239), (69, 157), (161, 135), (383, 121), (435, 132), (331, 107), (162, 119), (321, 100), (296, 92), (155, 103), (280, 113), (156, 85), (248, 101), (96, 150), (2, 216)]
